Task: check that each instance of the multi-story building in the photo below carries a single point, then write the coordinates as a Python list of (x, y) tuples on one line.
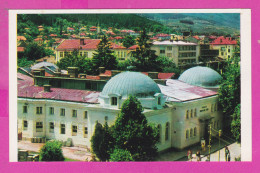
[(179, 51), (226, 46), (86, 47), (182, 112)]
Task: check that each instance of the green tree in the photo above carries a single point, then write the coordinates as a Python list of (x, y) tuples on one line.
[(143, 57), (33, 52), (52, 151), (75, 60), (229, 91), (101, 141), (131, 132), (128, 41), (23, 62), (103, 57), (236, 124), (121, 155), (168, 66)]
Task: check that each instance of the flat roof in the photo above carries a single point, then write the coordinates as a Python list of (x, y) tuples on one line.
[(168, 42)]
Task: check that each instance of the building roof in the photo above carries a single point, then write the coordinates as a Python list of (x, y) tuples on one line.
[(133, 47), (21, 38), (26, 89), (71, 44), (69, 28), (167, 42), (46, 64), (53, 35), (20, 49), (130, 83), (201, 76), (178, 91), (163, 35), (224, 40), (116, 46)]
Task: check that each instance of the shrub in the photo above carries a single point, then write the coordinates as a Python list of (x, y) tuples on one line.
[(52, 151), (121, 155)]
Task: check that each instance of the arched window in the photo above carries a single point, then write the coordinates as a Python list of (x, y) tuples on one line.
[(187, 114), (114, 101), (191, 132), (195, 112), (187, 134), (195, 131), (159, 100), (167, 131), (191, 111), (160, 132)]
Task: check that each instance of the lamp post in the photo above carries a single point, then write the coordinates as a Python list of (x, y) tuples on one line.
[(219, 134)]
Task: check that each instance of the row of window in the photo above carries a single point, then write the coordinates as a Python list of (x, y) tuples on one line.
[(39, 128), (51, 111), (120, 54), (187, 48), (191, 113), (186, 61), (187, 54), (66, 53), (167, 128), (191, 132)]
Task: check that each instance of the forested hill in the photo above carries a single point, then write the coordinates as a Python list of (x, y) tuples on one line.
[(104, 20)]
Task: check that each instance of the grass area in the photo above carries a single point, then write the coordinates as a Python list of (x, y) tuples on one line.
[(71, 160)]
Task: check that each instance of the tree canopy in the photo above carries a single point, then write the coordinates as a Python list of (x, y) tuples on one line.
[(52, 151)]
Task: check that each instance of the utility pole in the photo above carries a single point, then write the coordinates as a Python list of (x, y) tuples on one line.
[(209, 140), (219, 134)]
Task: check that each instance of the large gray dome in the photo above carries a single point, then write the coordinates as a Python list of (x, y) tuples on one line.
[(130, 83), (201, 76)]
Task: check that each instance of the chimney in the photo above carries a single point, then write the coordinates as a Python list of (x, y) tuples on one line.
[(115, 72), (73, 72), (47, 88), (82, 41), (101, 70), (153, 75)]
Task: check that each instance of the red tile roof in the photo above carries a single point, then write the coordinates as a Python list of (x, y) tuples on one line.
[(93, 77), (162, 35), (196, 37), (133, 47), (69, 28), (111, 38), (222, 40), (118, 38), (116, 46), (82, 33), (107, 73), (38, 39), (93, 29), (26, 89), (20, 49), (21, 38), (53, 35), (154, 38), (165, 75)]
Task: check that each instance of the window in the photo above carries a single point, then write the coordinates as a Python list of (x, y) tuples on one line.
[(159, 100), (62, 129), (74, 130), (85, 132), (215, 108), (191, 132), (51, 109), (106, 118), (195, 112), (86, 115), (74, 113), (228, 50), (211, 107), (25, 124), (51, 127), (113, 101), (160, 131), (61, 54), (169, 48), (167, 131), (191, 113), (80, 53), (85, 54), (38, 110), (62, 112), (25, 109), (195, 131), (187, 114), (162, 51), (187, 134), (169, 55), (39, 126)]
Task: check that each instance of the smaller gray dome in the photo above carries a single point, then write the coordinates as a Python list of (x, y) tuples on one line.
[(201, 76), (44, 64)]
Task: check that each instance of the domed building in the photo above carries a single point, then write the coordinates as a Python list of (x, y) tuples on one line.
[(181, 111), (201, 76), (121, 86)]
